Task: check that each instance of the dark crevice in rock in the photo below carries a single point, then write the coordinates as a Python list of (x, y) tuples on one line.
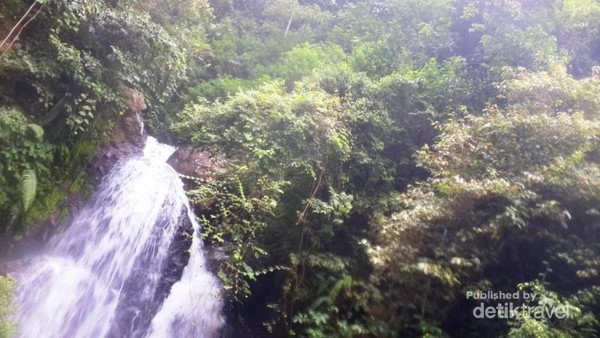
[(137, 306)]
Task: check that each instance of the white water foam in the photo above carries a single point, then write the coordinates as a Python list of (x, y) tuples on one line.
[(106, 275)]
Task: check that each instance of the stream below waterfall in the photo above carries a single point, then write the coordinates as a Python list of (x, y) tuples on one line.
[(131, 263)]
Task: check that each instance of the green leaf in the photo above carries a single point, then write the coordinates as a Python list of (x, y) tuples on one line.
[(36, 131), (28, 188)]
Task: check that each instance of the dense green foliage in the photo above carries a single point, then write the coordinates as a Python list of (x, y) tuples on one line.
[(62, 89), (383, 157), (6, 306)]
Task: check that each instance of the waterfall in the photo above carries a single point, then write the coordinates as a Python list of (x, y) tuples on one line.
[(125, 267)]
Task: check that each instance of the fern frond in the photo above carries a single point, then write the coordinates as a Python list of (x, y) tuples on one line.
[(345, 283), (36, 131), (28, 188)]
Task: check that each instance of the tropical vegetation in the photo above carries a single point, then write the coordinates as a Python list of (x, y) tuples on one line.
[(384, 156)]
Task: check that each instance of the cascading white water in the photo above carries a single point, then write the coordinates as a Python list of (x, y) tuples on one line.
[(113, 273)]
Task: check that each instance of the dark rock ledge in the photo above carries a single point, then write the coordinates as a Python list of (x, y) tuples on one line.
[(127, 139)]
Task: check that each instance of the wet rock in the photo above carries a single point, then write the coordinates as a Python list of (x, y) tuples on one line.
[(196, 163), (110, 154), (136, 310), (41, 233), (127, 139)]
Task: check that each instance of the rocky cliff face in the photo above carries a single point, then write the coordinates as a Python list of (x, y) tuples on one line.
[(127, 139), (196, 163)]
